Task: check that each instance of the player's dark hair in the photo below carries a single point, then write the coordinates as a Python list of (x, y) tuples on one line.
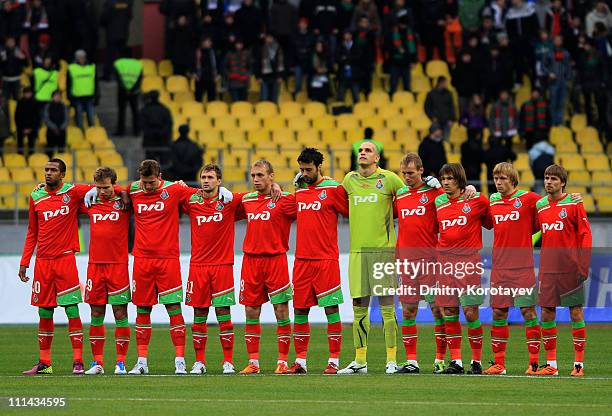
[(105, 172), (149, 167), (457, 172), (60, 162), (558, 171), (265, 163), (412, 158), (211, 167), (311, 155)]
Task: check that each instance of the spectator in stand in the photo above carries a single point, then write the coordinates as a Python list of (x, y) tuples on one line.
[(12, 63), (27, 121), (431, 151), (238, 71), (283, 21), (534, 119), (270, 69), (488, 34), (129, 80), (542, 9), (472, 158), (347, 59), (497, 75), (116, 17), (591, 72), (476, 50), (11, 19), (214, 9), (401, 48), (466, 79), (184, 38), (600, 13), (43, 51), (208, 28), (543, 47), (5, 122), (249, 21), (319, 88), (574, 32), (497, 152), (503, 120), (206, 71), (541, 156), (45, 80), (469, 13), (400, 14), (56, 117), (497, 9), (156, 128), (302, 46), (325, 24), (558, 67), (365, 38), (439, 106), (522, 29), (346, 11), (474, 118), (185, 157), (557, 20), (82, 86), (173, 9), (36, 23), (431, 18), (367, 9)]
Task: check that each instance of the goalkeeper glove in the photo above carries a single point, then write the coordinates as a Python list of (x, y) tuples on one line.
[(225, 195), (432, 182), (90, 197), (297, 179)]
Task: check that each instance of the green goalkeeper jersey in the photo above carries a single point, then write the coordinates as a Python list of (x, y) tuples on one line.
[(371, 208)]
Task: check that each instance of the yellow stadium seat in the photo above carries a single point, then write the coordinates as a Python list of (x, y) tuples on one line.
[(290, 109), (265, 109), (599, 191), (200, 123), (274, 122), (579, 178), (177, 83), (211, 138), (225, 123), (149, 67), (5, 175), (420, 84), (22, 174), (14, 160), (249, 123), (234, 175), (602, 177), (283, 136), (347, 122), (589, 203), (522, 162), (165, 68), (234, 137), (284, 175), (352, 136), (21, 202), (362, 110), (604, 203), (591, 147), (374, 122), (259, 136), (576, 189), (122, 173), (309, 137), (378, 98), (587, 135), (406, 135), (86, 159), (38, 160), (572, 162), (332, 136), (298, 123), (413, 112), (397, 123), (526, 178), (403, 98), (95, 134), (324, 122), (453, 157), (560, 134), (109, 158), (522, 95), (421, 123), (458, 133), (241, 109), (191, 109), (436, 68), (389, 111), (182, 97), (216, 109), (152, 83), (566, 147), (314, 109), (578, 122), (597, 163)]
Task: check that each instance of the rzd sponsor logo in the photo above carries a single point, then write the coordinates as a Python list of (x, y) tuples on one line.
[(263, 216), (216, 217), (158, 206), (358, 199), (456, 221), (556, 226), (113, 216), (314, 206), (513, 216), (414, 211), (64, 210)]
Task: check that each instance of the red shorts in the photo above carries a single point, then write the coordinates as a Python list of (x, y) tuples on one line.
[(503, 280), (107, 283), (156, 278), (210, 285), (465, 276), (56, 282), (411, 285), (264, 278), (560, 289), (316, 282)]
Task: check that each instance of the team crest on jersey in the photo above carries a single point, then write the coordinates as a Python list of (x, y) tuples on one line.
[(271, 205), (518, 204), (379, 184), (164, 194), (563, 213), (424, 199), (219, 206), (118, 205), (188, 298), (323, 195), (466, 208), (35, 298), (66, 199)]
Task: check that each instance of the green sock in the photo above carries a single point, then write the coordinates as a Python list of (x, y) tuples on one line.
[(361, 329), (390, 330), (97, 320)]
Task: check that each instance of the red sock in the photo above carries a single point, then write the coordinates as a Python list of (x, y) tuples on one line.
[(283, 336), (301, 336), (532, 334), (251, 337), (177, 333), (409, 336), (549, 337), (440, 335), (475, 337), (579, 335), (499, 339), (45, 339), (75, 329), (199, 332), (226, 336), (122, 341), (334, 338), (96, 339), (453, 338), (143, 333)]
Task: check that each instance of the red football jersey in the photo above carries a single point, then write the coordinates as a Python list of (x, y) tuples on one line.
[(212, 229), (318, 206), (566, 236), (415, 209), (52, 225), (460, 222), (514, 222), (268, 223), (156, 215), (109, 224)]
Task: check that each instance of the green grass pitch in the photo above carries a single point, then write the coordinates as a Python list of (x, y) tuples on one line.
[(375, 393)]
